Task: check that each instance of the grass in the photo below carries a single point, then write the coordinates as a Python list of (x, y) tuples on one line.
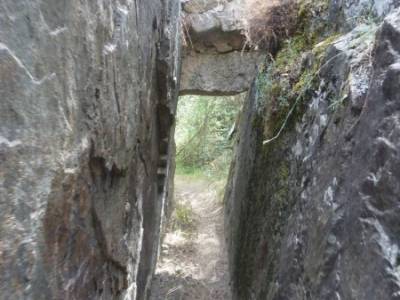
[(217, 181), (183, 217), (268, 22), (192, 172)]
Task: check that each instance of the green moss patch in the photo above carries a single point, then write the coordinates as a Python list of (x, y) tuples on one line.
[(286, 82)]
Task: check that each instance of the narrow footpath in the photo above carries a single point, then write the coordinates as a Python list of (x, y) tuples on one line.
[(193, 262)]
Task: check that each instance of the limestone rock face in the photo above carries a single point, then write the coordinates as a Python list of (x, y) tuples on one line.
[(88, 93), (314, 214)]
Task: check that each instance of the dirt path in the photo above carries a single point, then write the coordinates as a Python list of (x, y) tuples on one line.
[(193, 263)]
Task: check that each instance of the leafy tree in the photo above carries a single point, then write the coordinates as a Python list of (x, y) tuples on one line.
[(204, 142)]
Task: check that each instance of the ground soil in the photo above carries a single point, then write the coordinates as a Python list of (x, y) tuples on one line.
[(193, 261)]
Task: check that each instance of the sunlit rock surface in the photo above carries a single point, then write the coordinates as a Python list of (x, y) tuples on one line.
[(88, 92), (216, 60), (216, 74)]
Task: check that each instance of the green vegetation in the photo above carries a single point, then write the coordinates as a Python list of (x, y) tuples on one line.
[(290, 76), (282, 83), (204, 135), (183, 217), (288, 79)]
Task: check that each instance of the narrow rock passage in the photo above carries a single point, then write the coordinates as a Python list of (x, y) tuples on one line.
[(193, 263)]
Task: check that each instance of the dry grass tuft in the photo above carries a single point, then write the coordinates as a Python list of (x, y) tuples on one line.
[(269, 21)]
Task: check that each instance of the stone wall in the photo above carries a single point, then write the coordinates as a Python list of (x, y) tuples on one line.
[(88, 94), (216, 60), (312, 201)]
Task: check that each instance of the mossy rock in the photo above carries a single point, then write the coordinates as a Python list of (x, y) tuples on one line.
[(286, 82)]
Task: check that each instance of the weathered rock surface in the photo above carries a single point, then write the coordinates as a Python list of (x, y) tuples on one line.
[(314, 214), (214, 61), (354, 11), (346, 14), (88, 95), (88, 92), (201, 6), (219, 74), (217, 26)]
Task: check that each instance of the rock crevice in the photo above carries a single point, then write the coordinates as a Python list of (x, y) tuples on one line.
[(88, 95)]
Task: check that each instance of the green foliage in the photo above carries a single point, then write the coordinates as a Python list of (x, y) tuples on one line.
[(183, 217), (289, 79), (280, 80), (189, 170), (204, 124), (290, 53)]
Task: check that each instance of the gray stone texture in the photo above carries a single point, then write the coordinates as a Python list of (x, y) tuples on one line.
[(201, 6), (88, 93), (215, 61), (315, 213), (346, 14), (219, 74)]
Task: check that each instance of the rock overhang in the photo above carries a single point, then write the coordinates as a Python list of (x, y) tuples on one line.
[(219, 74), (216, 61)]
